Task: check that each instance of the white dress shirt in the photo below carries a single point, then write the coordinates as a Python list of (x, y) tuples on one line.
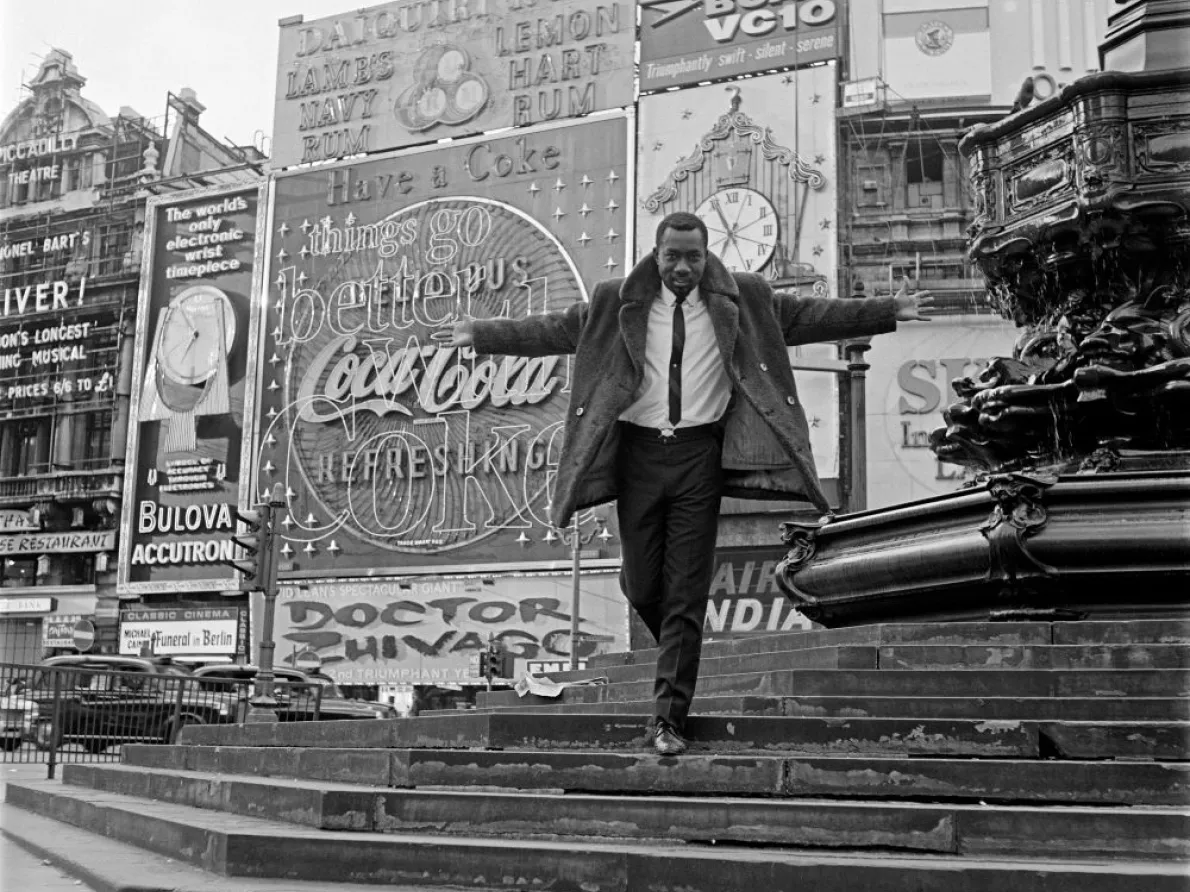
[(706, 389)]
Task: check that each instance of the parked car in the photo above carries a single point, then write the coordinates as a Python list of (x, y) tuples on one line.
[(297, 694), (107, 700), (17, 717)]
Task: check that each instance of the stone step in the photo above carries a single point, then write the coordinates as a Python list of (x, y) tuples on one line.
[(864, 777), (951, 828), (810, 735), (1108, 709), (1154, 631), (938, 657), (1029, 683), (245, 846)]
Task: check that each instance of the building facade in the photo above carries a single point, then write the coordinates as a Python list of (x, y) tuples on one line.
[(73, 184)]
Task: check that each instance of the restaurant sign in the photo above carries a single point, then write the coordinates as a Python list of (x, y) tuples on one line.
[(689, 41), (413, 72), (187, 431), (58, 543), (395, 448)]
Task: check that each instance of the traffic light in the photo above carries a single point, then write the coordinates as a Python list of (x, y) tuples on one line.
[(255, 539)]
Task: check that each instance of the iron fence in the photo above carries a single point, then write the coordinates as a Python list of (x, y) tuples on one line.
[(56, 714)]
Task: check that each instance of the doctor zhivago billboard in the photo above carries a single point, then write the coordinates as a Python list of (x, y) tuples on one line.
[(399, 452)]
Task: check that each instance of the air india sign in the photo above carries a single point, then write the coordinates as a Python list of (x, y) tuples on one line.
[(412, 72), (389, 441)]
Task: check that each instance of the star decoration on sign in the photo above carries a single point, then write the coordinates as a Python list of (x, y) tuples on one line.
[(310, 549), (612, 235), (274, 359), (549, 537), (333, 548), (302, 277), (815, 99), (824, 223), (269, 467), (687, 114), (350, 221), (815, 421), (611, 178), (273, 385), (327, 222), (583, 239), (283, 229), (558, 214), (584, 210), (270, 440), (611, 264), (612, 206), (280, 281), (287, 522), (658, 146), (305, 227), (787, 80), (559, 185), (819, 158), (604, 534), (816, 250), (304, 252), (534, 189), (586, 181), (522, 539), (286, 550)]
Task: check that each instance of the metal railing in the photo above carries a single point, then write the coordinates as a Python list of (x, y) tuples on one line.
[(52, 714)]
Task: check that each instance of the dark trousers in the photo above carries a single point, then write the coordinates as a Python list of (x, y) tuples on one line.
[(668, 494)]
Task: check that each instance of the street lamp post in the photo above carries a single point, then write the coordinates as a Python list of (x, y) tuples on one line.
[(576, 539), (264, 704)]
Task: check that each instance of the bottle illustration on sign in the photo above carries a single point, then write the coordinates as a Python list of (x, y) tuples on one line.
[(187, 374), (445, 90)]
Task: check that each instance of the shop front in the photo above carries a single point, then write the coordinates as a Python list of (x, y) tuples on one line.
[(33, 627)]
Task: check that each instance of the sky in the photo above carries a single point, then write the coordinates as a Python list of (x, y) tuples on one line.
[(133, 52)]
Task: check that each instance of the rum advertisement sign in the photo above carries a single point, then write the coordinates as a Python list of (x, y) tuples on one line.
[(396, 449), (192, 389), (412, 72)]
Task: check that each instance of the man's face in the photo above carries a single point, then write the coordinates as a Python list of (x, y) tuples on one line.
[(681, 258)]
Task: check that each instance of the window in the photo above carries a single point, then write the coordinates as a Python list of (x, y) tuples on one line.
[(871, 183), (24, 446), (92, 444), (18, 572), (923, 174)]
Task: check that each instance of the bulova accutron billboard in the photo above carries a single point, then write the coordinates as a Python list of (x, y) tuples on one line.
[(193, 391), (397, 450)]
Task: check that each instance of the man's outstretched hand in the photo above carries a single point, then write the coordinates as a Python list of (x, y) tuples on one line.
[(908, 306), (463, 333)]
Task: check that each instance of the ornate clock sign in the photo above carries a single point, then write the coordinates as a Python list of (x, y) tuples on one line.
[(752, 193)]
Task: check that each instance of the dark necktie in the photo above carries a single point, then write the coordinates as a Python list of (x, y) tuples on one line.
[(675, 364)]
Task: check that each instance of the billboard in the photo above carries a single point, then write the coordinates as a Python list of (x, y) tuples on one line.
[(909, 384), (411, 72), (423, 630), (397, 450), (184, 631), (690, 41), (937, 48), (756, 160), (745, 599), (192, 391)]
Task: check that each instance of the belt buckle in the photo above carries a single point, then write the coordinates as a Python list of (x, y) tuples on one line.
[(667, 433)]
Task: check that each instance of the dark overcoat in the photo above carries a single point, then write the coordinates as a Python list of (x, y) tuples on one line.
[(766, 441)]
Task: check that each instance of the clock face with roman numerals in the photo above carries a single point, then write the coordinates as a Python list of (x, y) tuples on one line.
[(742, 226)]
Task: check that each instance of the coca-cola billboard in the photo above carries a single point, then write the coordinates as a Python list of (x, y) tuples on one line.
[(396, 449)]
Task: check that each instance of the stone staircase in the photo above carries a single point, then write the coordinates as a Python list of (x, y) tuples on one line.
[(932, 757)]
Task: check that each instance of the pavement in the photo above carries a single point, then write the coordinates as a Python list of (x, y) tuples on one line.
[(43, 855)]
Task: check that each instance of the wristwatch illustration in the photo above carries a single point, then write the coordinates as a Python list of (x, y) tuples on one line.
[(187, 375)]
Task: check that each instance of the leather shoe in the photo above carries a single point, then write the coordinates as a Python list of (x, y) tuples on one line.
[(667, 741)]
